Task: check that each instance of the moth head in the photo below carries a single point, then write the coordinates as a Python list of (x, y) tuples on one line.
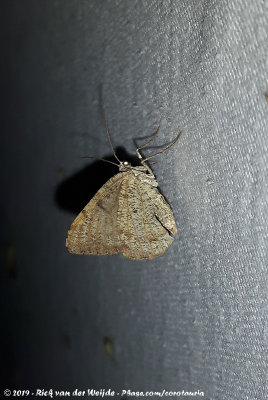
[(124, 166)]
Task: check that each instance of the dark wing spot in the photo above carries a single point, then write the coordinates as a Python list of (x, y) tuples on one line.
[(100, 205)]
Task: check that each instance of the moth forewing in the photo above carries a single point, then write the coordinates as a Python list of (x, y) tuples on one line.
[(94, 231)]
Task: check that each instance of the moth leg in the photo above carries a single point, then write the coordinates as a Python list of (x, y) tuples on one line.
[(142, 147)]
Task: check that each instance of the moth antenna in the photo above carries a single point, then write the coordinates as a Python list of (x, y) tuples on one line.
[(162, 151), (109, 136), (102, 159)]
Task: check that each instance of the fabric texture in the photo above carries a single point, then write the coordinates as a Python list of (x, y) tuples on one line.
[(196, 318)]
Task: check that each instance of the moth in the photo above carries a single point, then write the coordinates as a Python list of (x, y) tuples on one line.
[(127, 215)]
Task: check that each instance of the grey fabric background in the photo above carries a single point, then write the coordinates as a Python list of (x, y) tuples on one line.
[(194, 319)]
